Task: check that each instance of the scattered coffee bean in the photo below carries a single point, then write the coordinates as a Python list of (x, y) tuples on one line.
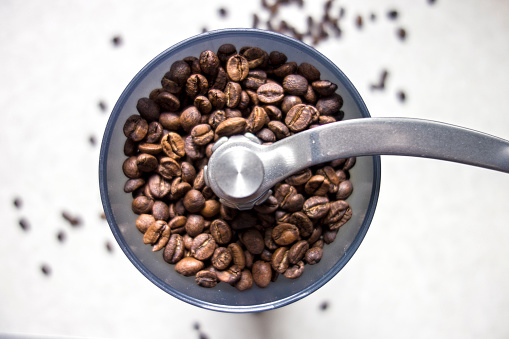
[(61, 236), (117, 41), (392, 14), (73, 220), (401, 33), (24, 224), (45, 269)]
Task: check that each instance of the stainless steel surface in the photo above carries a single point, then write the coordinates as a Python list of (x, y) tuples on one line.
[(241, 171)]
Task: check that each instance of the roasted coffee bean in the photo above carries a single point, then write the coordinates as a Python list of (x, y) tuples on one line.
[(299, 117), (315, 235), (350, 162), (169, 168), (163, 238), (285, 69), (303, 223), (179, 188), (132, 185), (217, 98), (288, 198), (232, 113), (324, 87), (169, 86), (243, 220), (158, 186), (135, 128), (148, 109), (239, 258), (280, 129), (262, 273), (160, 210), (316, 207), (266, 135), (299, 178), (231, 126), (142, 205), (153, 149), (199, 181), (270, 93), (231, 275), (308, 71), (295, 271), (189, 266), (330, 174), (188, 241), (196, 85), (130, 147), (154, 232), (154, 132), (155, 92), (268, 240), (193, 151), (237, 68), (177, 209), (313, 255), (280, 260), (225, 51), (329, 105), (168, 102), (329, 235), (246, 281), (211, 208), (233, 92), (277, 58), (255, 57), (244, 102), (338, 215), (194, 224), (317, 185), (206, 278), (221, 258), (146, 162), (194, 201), (202, 134), (249, 259), (269, 206), (297, 251), (179, 72), (170, 121), (221, 232), (253, 241), (273, 112), (144, 221), (189, 118), (208, 194), (177, 224), (345, 189), (289, 101), (203, 246), (266, 255), (203, 104), (255, 79), (209, 62), (295, 84), (256, 120), (310, 96), (173, 145), (220, 80), (285, 234)]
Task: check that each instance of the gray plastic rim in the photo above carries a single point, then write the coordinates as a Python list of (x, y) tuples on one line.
[(104, 187)]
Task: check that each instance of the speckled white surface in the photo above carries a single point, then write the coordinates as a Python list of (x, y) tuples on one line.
[(433, 264)]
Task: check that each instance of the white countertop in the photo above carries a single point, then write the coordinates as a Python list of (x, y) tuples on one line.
[(433, 264)]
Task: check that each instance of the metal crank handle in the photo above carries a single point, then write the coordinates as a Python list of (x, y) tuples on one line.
[(241, 171)]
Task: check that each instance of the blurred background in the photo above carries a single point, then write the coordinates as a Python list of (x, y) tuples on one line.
[(434, 263)]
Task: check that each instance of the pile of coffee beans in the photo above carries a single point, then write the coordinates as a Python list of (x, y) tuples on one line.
[(222, 93)]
